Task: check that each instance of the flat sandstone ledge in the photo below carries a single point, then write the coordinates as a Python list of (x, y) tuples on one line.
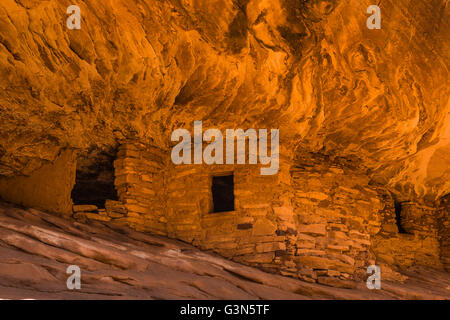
[(119, 263)]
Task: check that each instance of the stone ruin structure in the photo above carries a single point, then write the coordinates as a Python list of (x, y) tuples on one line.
[(364, 168), (317, 220)]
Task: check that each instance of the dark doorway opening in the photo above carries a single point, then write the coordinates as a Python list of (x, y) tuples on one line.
[(398, 219), (94, 182), (223, 193)]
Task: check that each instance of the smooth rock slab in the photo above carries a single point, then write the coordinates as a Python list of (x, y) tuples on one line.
[(119, 263)]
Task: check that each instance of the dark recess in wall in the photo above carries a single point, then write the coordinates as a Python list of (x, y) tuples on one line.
[(398, 211), (94, 182), (223, 193)]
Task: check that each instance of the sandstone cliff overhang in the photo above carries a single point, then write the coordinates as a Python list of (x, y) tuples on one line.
[(363, 117), (378, 99)]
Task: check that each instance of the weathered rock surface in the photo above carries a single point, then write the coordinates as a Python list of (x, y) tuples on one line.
[(118, 263), (86, 118), (378, 99)]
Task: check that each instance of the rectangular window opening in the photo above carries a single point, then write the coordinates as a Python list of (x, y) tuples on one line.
[(223, 193)]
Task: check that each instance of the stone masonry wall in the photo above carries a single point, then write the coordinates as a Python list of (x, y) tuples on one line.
[(311, 220), (139, 174), (318, 221), (139, 180), (336, 213), (253, 233), (418, 246)]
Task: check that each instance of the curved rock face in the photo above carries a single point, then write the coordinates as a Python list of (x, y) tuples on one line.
[(140, 69), (363, 116)]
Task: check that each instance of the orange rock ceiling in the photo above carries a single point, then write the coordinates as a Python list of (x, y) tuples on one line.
[(378, 99)]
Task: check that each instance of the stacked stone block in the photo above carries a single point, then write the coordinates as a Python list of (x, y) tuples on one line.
[(316, 220), (337, 213), (139, 182), (418, 246)]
